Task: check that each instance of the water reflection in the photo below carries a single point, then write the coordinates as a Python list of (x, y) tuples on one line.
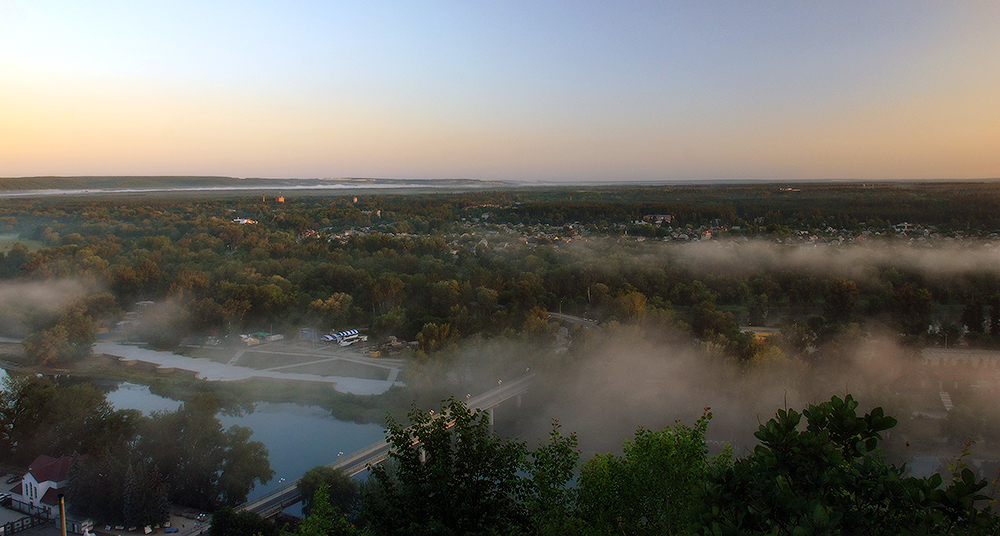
[(133, 396), (301, 437), (297, 437)]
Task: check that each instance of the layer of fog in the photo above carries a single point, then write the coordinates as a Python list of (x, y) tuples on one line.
[(634, 376), (21, 302), (942, 258)]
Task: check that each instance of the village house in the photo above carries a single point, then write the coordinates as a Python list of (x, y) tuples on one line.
[(658, 219), (38, 492)]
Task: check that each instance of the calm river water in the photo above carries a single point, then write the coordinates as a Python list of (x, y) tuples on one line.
[(297, 437)]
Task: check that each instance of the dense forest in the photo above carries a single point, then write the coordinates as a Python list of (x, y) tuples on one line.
[(789, 276), (439, 267)]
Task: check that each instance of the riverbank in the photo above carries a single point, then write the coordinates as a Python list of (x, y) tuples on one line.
[(179, 383), (211, 370)]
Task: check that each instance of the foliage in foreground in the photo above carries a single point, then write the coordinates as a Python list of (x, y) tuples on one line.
[(341, 491), (451, 475), (831, 478)]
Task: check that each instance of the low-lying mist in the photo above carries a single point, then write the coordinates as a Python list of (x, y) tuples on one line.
[(938, 259), (20, 302), (647, 375)]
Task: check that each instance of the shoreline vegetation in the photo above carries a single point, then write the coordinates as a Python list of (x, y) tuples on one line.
[(182, 386)]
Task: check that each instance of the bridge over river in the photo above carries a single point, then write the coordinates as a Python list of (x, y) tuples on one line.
[(273, 503)]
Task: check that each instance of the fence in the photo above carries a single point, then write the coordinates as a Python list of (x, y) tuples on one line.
[(31, 509), (18, 525)]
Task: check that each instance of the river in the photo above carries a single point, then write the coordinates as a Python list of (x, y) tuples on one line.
[(297, 437)]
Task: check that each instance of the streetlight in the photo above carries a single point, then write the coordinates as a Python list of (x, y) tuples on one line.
[(281, 482)]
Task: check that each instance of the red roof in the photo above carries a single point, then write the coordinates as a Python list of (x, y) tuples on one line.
[(46, 468), (51, 497)]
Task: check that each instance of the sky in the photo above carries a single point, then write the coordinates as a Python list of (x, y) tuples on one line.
[(522, 91)]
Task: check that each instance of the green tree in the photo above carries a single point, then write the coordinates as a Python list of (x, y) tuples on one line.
[(342, 491), (829, 477), (227, 522), (651, 488), (841, 296), (913, 307), (551, 499), (707, 321), (452, 476), (37, 417), (434, 337), (14, 260), (204, 464), (536, 322), (325, 519), (974, 315), (117, 488), (244, 462), (630, 306), (48, 347), (389, 323), (334, 310)]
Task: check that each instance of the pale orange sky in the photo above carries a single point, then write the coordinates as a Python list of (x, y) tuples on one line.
[(508, 91)]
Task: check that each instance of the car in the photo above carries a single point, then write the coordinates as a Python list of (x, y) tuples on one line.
[(13, 479)]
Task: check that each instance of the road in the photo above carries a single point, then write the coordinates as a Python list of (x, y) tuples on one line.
[(585, 322), (354, 463)]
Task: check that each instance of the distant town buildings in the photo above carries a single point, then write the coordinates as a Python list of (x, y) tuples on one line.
[(658, 219)]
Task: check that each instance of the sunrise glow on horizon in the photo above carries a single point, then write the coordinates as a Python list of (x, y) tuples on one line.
[(574, 92)]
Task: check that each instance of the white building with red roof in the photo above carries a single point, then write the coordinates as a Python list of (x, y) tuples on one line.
[(38, 492)]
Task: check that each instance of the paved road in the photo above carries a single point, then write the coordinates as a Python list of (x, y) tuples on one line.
[(585, 322), (213, 371)]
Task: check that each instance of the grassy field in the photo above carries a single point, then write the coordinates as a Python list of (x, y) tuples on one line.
[(340, 367)]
